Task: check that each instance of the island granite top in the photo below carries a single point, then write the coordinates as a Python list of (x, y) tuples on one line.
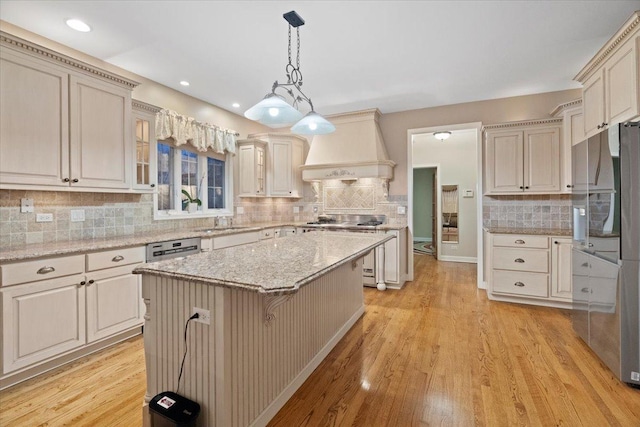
[(277, 266)]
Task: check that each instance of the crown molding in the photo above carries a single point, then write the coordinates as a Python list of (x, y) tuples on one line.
[(533, 122), (21, 45), (355, 116), (624, 34), (560, 108), (143, 106)]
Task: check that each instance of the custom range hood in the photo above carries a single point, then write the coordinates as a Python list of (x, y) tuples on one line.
[(355, 150)]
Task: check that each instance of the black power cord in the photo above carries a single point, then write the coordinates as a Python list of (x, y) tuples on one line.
[(184, 356)]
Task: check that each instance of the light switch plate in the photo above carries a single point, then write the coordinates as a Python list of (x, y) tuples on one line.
[(468, 193), (402, 210), (77, 215), (26, 205)]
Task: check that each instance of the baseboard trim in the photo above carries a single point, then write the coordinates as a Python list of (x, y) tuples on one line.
[(450, 258)]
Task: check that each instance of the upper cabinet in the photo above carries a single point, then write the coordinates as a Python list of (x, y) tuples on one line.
[(274, 159), (144, 151), (610, 93), (523, 157), (64, 124), (572, 134)]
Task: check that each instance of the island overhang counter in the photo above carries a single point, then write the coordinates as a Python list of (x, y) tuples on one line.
[(277, 308)]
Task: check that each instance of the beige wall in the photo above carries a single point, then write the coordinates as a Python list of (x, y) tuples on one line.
[(394, 126), (150, 91)]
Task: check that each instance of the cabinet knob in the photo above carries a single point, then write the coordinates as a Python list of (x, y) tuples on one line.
[(584, 264), (599, 127), (152, 185), (569, 186), (519, 284), (91, 281), (556, 242), (519, 260), (605, 124), (521, 187), (83, 283), (74, 180), (526, 188), (65, 180)]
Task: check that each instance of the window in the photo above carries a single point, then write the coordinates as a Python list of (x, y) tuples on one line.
[(204, 176)]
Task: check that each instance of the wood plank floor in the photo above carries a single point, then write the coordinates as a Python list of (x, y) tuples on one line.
[(436, 353)]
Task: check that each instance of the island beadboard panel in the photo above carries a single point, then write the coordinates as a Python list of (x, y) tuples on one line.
[(258, 349)]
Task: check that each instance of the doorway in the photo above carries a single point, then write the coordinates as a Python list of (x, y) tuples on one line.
[(425, 211)]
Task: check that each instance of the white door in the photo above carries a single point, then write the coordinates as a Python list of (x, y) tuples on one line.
[(504, 162), (34, 122), (593, 104), (561, 279), (113, 305), (41, 320), (281, 174), (542, 160)]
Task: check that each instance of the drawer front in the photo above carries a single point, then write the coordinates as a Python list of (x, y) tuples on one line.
[(44, 269), (235, 240), (519, 283), (115, 258), (533, 260), (521, 241)]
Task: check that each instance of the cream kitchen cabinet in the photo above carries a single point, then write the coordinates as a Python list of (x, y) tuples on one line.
[(57, 309), (252, 168), (396, 268), (278, 162), (144, 151), (64, 124), (572, 134), (611, 92), (561, 278), (523, 157), (229, 240), (530, 269)]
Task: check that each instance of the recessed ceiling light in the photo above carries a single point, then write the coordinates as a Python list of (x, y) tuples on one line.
[(235, 105), (78, 25), (184, 83)]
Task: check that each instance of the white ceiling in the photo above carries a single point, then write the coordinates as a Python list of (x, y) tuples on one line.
[(394, 55)]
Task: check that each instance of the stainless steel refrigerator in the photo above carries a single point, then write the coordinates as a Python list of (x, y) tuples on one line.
[(606, 247)]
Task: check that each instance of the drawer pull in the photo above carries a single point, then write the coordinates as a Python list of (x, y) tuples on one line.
[(519, 242), (117, 258), (45, 270), (585, 290), (520, 260), (584, 264), (519, 284)]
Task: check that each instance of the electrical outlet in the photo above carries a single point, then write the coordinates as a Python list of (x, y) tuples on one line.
[(44, 217), (204, 316), (402, 210), (77, 215), (26, 205)]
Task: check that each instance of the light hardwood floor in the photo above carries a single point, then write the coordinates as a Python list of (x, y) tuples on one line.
[(436, 353)]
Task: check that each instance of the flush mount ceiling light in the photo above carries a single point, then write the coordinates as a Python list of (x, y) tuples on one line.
[(184, 83), (78, 25), (274, 110), (442, 135)]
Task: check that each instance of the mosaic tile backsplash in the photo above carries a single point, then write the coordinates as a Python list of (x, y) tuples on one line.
[(544, 211)]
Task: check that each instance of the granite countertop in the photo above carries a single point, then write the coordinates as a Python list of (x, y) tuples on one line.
[(38, 250), (529, 231), (277, 266)]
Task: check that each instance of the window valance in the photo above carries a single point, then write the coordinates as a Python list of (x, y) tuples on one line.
[(202, 136)]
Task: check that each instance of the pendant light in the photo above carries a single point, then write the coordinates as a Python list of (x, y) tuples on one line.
[(274, 110)]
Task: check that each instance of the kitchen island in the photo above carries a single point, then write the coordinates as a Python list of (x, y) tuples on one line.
[(277, 308)]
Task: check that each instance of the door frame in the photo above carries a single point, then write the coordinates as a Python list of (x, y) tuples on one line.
[(477, 126)]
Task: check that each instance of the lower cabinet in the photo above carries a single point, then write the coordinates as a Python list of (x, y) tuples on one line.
[(56, 307), (395, 259), (530, 269), (41, 320)]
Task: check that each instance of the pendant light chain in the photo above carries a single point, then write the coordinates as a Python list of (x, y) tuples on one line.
[(298, 53)]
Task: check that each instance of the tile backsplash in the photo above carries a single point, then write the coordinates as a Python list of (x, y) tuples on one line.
[(545, 211), (113, 214)]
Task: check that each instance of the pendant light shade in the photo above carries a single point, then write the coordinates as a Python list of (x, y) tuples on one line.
[(273, 111), (313, 124)]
